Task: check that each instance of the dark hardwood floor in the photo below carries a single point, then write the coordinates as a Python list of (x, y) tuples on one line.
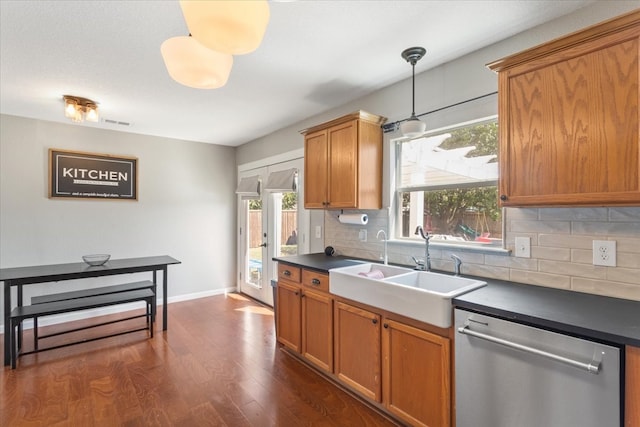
[(218, 364)]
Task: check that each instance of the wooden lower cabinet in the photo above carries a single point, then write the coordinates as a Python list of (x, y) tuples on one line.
[(399, 365), (304, 315), (632, 387), (402, 367), (358, 350), (317, 332), (288, 315), (416, 375)]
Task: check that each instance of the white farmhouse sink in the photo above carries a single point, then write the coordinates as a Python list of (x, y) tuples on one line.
[(420, 295)]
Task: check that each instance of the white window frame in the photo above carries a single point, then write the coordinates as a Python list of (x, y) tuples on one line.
[(395, 223)]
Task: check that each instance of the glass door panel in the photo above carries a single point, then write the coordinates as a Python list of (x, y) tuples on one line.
[(287, 224), (256, 238)]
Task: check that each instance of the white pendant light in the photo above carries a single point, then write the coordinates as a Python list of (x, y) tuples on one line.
[(191, 64), (413, 127), (235, 27)]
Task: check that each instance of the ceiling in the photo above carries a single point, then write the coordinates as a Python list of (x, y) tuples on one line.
[(316, 55)]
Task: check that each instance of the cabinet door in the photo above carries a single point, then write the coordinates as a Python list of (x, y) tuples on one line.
[(416, 375), (343, 165), (288, 315), (569, 125), (317, 329), (315, 170), (357, 349)]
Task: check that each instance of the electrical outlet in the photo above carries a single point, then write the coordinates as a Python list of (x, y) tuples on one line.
[(604, 253), (318, 231), (363, 235), (523, 247)]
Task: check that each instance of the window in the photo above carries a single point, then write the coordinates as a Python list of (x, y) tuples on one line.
[(447, 182)]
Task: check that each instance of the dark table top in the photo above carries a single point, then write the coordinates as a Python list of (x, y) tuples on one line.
[(82, 269), (597, 317)]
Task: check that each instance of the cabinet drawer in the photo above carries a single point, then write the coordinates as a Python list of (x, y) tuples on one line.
[(315, 280), (289, 273)]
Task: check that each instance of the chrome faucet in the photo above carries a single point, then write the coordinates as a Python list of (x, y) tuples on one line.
[(457, 263), (384, 233), (425, 265)]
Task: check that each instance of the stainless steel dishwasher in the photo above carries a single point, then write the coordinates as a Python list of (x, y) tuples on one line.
[(513, 375)]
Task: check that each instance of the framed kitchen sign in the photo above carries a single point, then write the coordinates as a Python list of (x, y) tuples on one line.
[(79, 175)]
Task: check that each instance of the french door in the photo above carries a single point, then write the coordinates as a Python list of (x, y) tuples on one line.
[(269, 226)]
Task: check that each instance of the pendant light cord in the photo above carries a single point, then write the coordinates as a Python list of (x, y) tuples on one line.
[(393, 126), (413, 89)]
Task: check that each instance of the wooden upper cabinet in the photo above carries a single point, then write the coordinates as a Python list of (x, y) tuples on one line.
[(569, 119), (315, 170), (343, 163)]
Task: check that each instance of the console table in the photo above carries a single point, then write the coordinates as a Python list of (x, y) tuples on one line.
[(20, 276)]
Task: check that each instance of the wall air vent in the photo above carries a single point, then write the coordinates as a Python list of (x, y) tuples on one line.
[(116, 122)]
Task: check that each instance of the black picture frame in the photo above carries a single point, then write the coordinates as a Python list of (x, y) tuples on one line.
[(81, 175)]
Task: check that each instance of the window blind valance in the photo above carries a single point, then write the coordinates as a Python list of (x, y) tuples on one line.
[(249, 187), (285, 181)]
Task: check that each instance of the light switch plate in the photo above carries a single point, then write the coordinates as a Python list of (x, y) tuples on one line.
[(318, 231), (604, 253), (523, 247), (362, 235)]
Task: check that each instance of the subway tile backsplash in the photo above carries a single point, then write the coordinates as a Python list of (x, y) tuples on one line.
[(561, 248)]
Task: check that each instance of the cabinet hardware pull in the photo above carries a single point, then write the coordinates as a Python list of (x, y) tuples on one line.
[(375, 321), (593, 367), (297, 293), (503, 197), (386, 326), (286, 273), (315, 281)]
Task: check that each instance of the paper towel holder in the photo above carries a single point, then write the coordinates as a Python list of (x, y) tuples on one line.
[(354, 219)]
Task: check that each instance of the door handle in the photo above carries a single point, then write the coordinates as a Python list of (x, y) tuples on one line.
[(592, 367), (264, 245)]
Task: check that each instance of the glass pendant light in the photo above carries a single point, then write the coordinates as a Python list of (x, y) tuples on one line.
[(191, 64), (228, 26), (413, 126)]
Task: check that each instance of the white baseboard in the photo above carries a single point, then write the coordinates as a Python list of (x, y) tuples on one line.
[(87, 314)]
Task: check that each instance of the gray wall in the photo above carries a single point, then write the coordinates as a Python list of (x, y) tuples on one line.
[(185, 208)]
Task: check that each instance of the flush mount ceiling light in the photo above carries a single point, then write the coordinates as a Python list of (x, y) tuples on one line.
[(413, 127), (191, 64), (79, 109), (233, 27)]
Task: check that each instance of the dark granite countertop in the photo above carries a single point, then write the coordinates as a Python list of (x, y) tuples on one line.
[(602, 318), (319, 262), (609, 319)]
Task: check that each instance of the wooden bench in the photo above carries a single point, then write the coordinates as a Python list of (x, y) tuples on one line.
[(103, 290), (47, 305)]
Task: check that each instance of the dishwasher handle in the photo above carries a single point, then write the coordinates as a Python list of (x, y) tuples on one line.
[(593, 367)]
